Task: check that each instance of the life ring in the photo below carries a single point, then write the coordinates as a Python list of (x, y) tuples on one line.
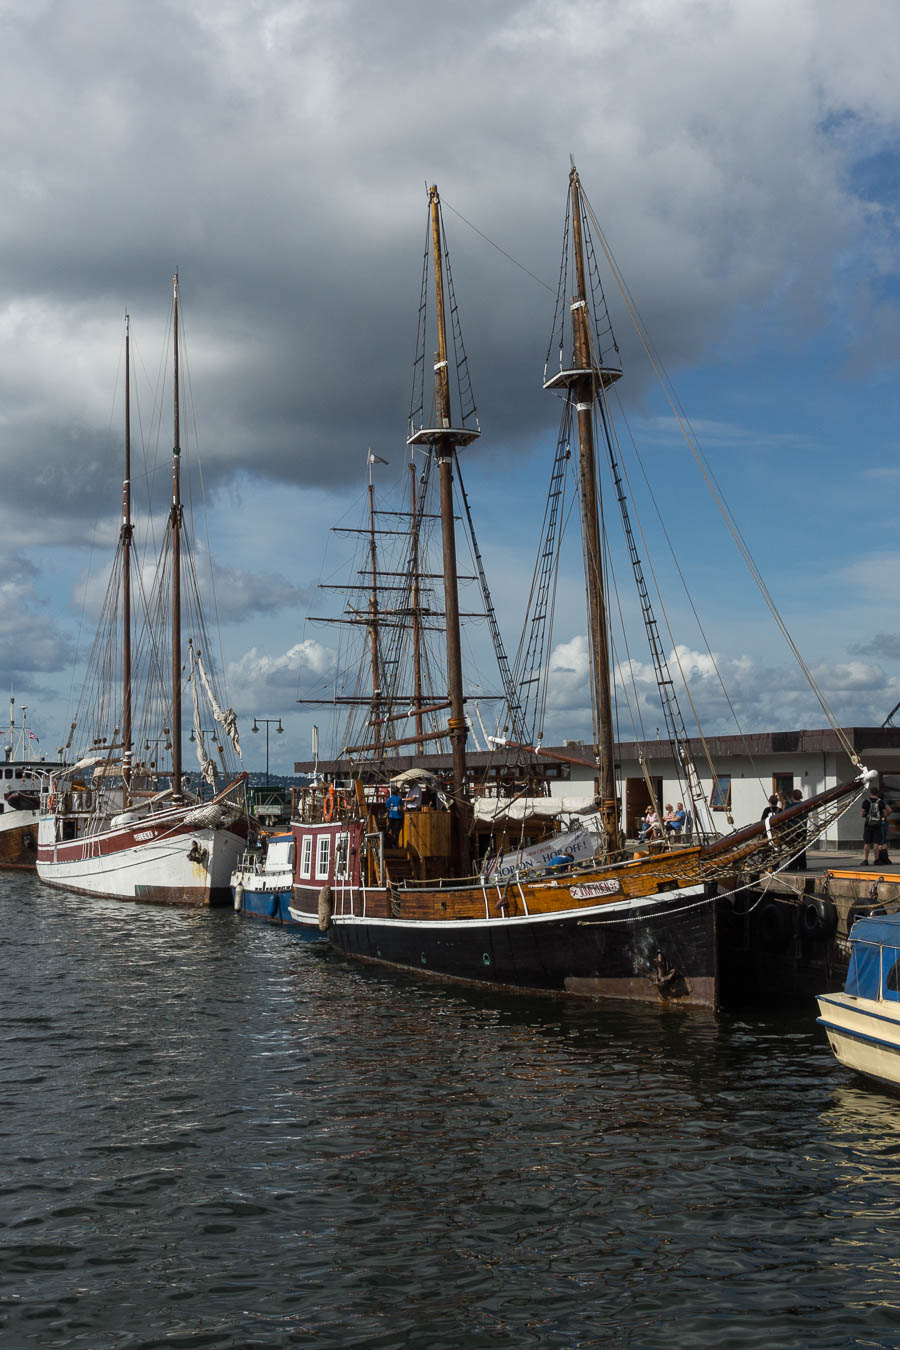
[(325, 909), (328, 808)]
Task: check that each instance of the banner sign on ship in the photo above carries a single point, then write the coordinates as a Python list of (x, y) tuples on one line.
[(578, 844)]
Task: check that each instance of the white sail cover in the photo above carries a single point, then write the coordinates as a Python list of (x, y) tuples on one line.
[(207, 767), (488, 809), (227, 718)]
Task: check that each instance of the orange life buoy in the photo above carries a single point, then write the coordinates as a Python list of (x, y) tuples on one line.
[(328, 809)]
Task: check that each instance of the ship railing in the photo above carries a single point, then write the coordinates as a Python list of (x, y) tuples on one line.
[(251, 862), (374, 842)]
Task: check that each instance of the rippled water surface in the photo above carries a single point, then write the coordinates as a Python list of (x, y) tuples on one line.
[(215, 1135)]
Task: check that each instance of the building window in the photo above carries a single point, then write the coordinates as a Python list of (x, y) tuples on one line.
[(720, 797), (342, 857), (306, 857), (323, 854)]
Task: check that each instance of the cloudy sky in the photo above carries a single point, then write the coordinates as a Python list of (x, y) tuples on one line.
[(742, 157)]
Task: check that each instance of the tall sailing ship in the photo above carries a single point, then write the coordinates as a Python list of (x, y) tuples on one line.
[(123, 820), (22, 777), (671, 925)]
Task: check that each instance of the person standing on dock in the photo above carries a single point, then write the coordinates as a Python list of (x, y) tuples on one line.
[(799, 863), (874, 814)]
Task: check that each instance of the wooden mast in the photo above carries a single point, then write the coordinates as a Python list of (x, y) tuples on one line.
[(127, 534), (446, 452), (583, 381), (444, 440), (373, 615), (175, 519), (416, 603)]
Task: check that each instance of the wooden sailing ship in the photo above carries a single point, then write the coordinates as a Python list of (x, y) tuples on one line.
[(120, 822), (649, 927)]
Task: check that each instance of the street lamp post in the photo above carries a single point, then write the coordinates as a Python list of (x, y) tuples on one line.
[(269, 722)]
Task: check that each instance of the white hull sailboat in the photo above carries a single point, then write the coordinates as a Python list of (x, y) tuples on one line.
[(118, 823)]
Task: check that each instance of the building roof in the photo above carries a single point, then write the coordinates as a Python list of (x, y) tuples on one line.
[(884, 741)]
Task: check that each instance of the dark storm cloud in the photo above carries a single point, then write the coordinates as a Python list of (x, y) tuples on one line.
[(277, 154), (885, 645)]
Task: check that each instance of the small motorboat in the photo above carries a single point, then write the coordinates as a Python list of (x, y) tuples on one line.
[(262, 886), (863, 1022)]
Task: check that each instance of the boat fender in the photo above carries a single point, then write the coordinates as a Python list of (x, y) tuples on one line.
[(776, 925), (274, 907), (239, 896), (325, 909), (818, 917)]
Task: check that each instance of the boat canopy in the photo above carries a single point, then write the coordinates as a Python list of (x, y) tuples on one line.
[(416, 776), (279, 854), (875, 959)]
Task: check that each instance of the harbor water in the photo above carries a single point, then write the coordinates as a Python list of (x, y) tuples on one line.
[(214, 1135)]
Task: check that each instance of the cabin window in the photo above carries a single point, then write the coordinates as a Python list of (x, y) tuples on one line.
[(892, 978), (323, 855), (306, 856), (10, 773), (720, 797), (342, 857)]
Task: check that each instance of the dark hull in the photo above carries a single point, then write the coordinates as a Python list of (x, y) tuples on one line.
[(598, 953), (274, 907), (773, 954), (18, 845)]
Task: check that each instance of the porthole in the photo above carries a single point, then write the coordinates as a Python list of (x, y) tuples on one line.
[(486, 958)]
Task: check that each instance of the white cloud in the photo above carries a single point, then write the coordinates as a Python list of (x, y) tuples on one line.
[(764, 698), (257, 671)]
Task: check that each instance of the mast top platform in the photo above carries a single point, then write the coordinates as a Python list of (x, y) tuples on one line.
[(460, 436), (603, 376)]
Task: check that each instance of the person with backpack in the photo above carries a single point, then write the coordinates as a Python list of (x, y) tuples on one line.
[(874, 813)]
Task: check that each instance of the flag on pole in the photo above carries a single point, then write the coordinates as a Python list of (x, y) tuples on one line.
[(32, 737), (375, 459)]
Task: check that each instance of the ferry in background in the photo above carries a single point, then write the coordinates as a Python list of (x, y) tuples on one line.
[(22, 776)]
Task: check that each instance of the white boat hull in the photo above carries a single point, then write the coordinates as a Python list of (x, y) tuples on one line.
[(177, 864), (864, 1035)]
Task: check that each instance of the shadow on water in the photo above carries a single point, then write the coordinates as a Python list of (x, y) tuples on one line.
[(215, 1135)]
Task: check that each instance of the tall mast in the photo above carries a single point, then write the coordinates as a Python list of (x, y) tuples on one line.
[(416, 604), (126, 537), (175, 519), (12, 726), (373, 616), (583, 381), (444, 439), (446, 450)]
